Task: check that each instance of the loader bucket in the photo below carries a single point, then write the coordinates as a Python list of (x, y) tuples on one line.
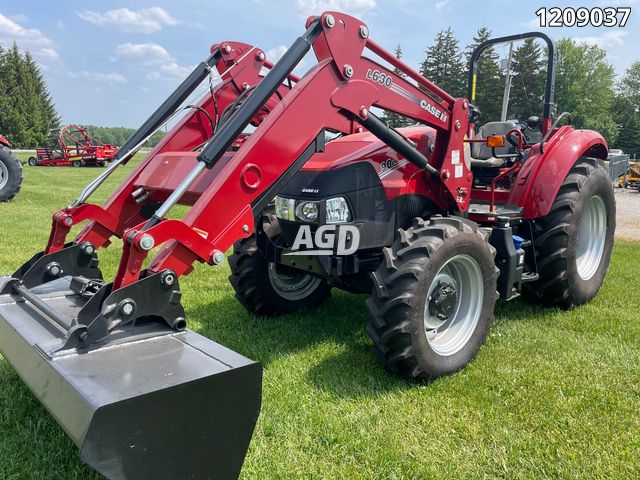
[(151, 404)]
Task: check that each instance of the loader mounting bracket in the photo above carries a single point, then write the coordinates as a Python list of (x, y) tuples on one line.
[(78, 259)]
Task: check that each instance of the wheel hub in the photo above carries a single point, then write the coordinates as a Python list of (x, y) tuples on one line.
[(4, 175), (443, 301)]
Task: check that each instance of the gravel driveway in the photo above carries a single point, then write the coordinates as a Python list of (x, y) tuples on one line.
[(628, 214)]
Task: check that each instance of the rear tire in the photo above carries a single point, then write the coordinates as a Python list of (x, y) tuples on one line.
[(33, 162), (263, 290), (574, 240), (10, 175), (421, 328)]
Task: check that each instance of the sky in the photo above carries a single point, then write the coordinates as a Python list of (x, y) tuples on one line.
[(111, 63)]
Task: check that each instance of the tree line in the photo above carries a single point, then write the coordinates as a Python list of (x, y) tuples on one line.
[(27, 111), (585, 84)]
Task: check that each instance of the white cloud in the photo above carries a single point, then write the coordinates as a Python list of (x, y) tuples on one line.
[(352, 7), (20, 18), (611, 38), (146, 20), (111, 78), (441, 4), (274, 54), (154, 58), (30, 39)]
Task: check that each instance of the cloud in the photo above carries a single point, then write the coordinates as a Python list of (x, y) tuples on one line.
[(146, 20), (352, 7), (30, 39), (611, 38), (274, 54), (111, 78), (441, 4), (153, 57)]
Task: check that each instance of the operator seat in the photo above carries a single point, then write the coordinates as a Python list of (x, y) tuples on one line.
[(481, 155)]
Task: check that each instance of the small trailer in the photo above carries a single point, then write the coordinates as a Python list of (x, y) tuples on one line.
[(73, 146)]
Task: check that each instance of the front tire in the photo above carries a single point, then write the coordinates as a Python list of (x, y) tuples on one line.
[(573, 242), (263, 290), (433, 298), (33, 162), (10, 175)]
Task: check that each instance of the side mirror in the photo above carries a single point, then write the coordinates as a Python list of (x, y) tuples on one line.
[(533, 122)]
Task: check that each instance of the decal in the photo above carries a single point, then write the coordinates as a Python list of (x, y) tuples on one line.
[(310, 190), (380, 77), (458, 171), (439, 114), (455, 157)]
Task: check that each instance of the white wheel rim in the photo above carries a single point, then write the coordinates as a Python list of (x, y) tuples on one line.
[(4, 175), (447, 336), (292, 287), (591, 239)]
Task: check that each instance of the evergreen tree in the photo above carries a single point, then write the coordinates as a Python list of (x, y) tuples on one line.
[(393, 119), (27, 112), (528, 80), (626, 110), (490, 81), (444, 64), (584, 87)]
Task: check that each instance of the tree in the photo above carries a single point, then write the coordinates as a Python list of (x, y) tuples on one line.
[(490, 81), (27, 112), (528, 80), (119, 135), (584, 87), (395, 120), (444, 64), (626, 110)]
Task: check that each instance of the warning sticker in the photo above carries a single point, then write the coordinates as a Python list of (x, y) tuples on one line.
[(455, 157), (459, 171)]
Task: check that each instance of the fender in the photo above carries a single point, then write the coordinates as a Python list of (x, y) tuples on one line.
[(542, 175), (5, 142)]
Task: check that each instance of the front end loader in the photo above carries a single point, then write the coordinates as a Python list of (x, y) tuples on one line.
[(395, 212)]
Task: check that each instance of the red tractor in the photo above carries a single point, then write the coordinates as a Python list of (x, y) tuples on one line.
[(435, 222), (10, 172), (73, 146)]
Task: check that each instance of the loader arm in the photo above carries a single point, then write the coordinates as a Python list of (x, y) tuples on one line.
[(342, 88), (239, 66)]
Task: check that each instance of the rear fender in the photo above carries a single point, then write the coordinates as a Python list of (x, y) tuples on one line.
[(5, 142), (542, 175)]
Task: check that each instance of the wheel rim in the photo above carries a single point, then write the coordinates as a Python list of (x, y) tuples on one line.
[(592, 234), (4, 175), (454, 305), (292, 287)]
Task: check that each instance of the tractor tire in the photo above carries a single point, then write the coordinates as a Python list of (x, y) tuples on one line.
[(573, 242), (33, 162), (10, 175), (265, 291), (433, 298)]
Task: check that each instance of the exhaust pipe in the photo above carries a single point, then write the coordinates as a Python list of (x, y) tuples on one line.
[(141, 396)]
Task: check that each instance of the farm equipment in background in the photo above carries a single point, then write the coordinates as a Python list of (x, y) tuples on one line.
[(10, 172), (71, 145), (143, 396), (632, 177)]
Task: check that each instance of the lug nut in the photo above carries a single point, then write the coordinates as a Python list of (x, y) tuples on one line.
[(147, 242), (168, 278), (348, 71), (364, 31), (458, 125), (218, 258), (329, 21)]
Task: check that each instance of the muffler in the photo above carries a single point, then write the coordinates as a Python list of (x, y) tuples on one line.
[(139, 394)]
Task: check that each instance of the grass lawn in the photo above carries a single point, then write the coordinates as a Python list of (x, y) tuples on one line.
[(551, 395)]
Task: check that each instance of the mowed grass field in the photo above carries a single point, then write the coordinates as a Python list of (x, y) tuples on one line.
[(552, 394)]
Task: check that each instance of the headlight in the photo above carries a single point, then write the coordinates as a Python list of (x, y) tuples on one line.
[(338, 210), (308, 211), (285, 208)]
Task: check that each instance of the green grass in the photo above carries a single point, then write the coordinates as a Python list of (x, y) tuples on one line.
[(551, 395)]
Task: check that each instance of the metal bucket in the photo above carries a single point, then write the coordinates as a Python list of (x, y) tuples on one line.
[(148, 403)]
